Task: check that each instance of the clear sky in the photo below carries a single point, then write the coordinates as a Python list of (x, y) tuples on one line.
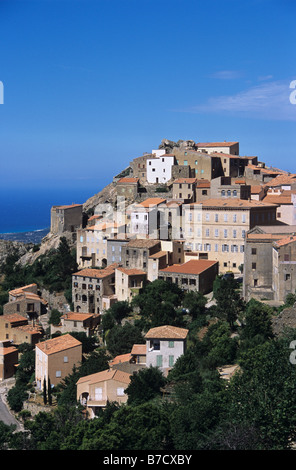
[(91, 84)]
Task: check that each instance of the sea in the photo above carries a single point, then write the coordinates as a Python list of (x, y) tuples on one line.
[(25, 211)]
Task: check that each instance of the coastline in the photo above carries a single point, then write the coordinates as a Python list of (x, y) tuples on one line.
[(30, 236)]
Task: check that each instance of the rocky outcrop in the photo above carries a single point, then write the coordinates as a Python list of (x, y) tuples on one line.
[(285, 319), (169, 145), (8, 247)]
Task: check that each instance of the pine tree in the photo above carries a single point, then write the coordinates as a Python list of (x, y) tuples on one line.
[(44, 392)]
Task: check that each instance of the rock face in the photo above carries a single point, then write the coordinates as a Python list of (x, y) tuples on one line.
[(168, 145), (106, 196), (286, 319), (7, 247)]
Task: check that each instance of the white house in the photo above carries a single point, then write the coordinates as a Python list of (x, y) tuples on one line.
[(159, 168), (164, 345)]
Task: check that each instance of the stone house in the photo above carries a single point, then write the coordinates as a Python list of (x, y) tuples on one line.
[(193, 275), (8, 360), (14, 327), (127, 188), (202, 190), (258, 279), (185, 189), (164, 345), (114, 249), (96, 390), (135, 253), (225, 186), (67, 218), (284, 267), (26, 301), (55, 359), (202, 165), (139, 167), (78, 322), (89, 286)]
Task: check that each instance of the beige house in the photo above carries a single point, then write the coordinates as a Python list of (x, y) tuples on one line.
[(216, 228), (286, 202), (55, 359), (26, 301), (14, 327), (128, 282), (184, 188), (8, 360), (91, 244), (96, 390), (223, 147)]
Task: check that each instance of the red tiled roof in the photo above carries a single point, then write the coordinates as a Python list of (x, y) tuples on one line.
[(167, 332), (215, 144), (60, 343), (193, 266)]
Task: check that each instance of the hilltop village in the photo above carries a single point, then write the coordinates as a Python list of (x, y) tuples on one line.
[(186, 214)]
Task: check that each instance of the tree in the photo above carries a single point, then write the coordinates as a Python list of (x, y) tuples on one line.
[(195, 302), (121, 339), (229, 304), (264, 394), (257, 326), (158, 303), (145, 385), (120, 310)]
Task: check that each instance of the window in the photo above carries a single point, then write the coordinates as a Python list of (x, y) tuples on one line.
[(287, 277), (207, 232), (243, 218), (120, 391), (253, 265), (171, 361), (216, 247), (225, 217), (159, 360), (207, 217), (234, 217), (216, 217), (58, 373), (216, 232), (234, 233), (171, 344), (66, 359), (98, 393), (225, 233)]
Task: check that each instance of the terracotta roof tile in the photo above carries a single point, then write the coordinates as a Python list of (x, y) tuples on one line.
[(167, 332), (96, 273), (60, 343), (108, 374), (193, 266)]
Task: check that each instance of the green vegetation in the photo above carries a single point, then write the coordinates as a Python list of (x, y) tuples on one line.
[(193, 408)]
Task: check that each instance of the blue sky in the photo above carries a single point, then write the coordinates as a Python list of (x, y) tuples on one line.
[(91, 84)]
